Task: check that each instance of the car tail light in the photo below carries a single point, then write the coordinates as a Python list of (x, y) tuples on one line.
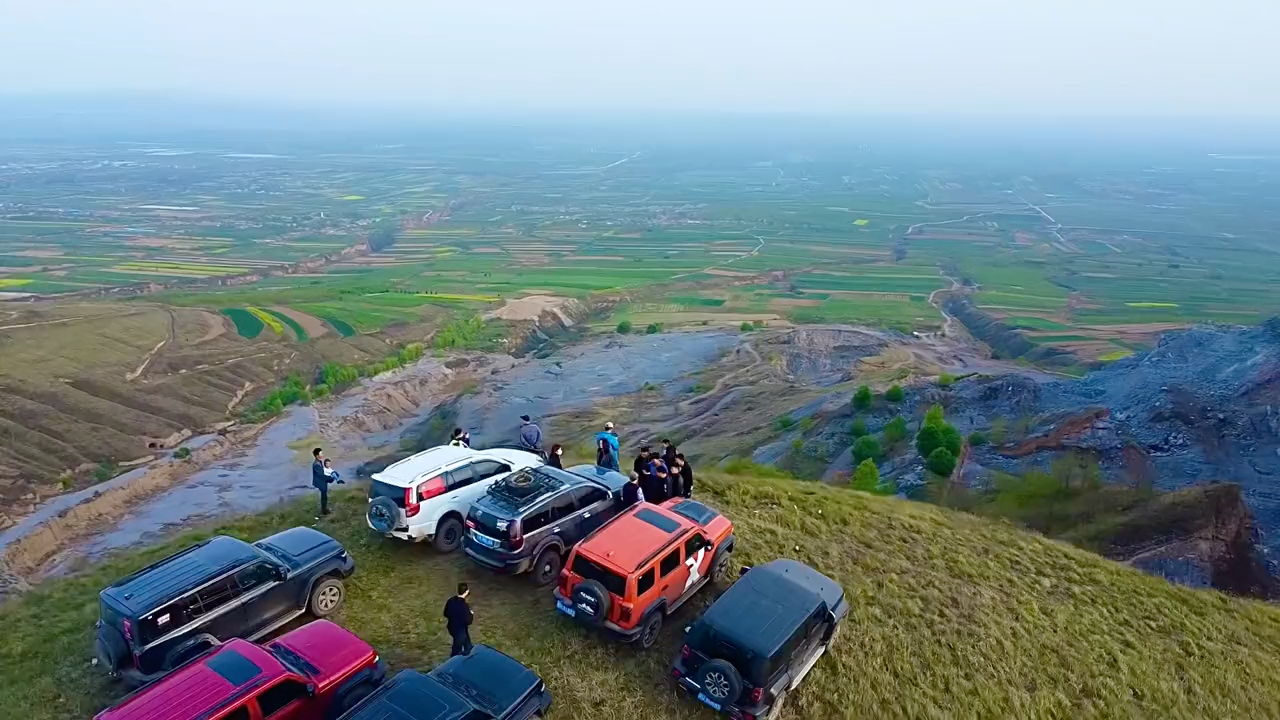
[(471, 524), (757, 694), (515, 535), (675, 672), (128, 630), (564, 582), (624, 612), (685, 652)]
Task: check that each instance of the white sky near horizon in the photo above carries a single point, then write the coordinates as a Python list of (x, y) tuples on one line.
[(971, 57)]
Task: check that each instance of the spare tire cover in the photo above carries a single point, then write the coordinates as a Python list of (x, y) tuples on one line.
[(383, 514), (110, 647), (591, 601), (720, 681)]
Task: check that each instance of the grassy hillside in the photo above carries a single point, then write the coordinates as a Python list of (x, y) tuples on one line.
[(952, 616)]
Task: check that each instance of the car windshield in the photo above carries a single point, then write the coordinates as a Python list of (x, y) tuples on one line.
[(275, 552), (293, 661), (379, 489), (590, 570)]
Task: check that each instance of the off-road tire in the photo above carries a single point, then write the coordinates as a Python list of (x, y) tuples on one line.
[(599, 596), (650, 630), (448, 535), (351, 698), (191, 648), (110, 648), (546, 568), (720, 569), (326, 597), (382, 515), (720, 681)]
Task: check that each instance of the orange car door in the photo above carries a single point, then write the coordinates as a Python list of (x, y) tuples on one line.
[(697, 559), (672, 573)]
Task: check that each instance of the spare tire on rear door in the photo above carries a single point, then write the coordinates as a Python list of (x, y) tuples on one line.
[(591, 601), (719, 681), (383, 514), (110, 648)]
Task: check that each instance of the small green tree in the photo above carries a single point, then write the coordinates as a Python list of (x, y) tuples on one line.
[(928, 439), (866, 477), (758, 323), (624, 327), (866, 447), (182, 453), (858, 428), (783, 423), (895, 431), (862, 398), (941, 462), (977, 438), (951, 439), (746, 326), (933, 417), (894, 393), (946, 380), (653, 329)]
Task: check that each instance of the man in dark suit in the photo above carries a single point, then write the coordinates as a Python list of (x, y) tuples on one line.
[(320, 481), (458, 618)]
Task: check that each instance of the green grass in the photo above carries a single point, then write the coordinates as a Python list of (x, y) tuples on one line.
[(293, 324), (952, 616), (1035, 323), (247, 324)]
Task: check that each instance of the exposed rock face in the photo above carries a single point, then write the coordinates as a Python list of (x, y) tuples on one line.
[(820, 355)]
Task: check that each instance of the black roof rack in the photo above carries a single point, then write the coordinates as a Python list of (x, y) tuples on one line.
[(521, 487)]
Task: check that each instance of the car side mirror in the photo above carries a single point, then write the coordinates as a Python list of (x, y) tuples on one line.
[(687, 628), (707, 544), (280, 573), (743, 570), (311, 689)]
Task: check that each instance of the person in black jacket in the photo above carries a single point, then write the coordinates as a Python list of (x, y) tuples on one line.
[(685, 471), (458, 617), (320, 480), (553, 459), (641, 466), (632, 493), (661, 484), (668, 453)]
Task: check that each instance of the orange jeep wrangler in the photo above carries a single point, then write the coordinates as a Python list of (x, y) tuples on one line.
[(642, 565)]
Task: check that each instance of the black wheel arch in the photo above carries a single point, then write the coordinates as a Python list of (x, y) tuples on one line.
[(330, 569), (371, 676)]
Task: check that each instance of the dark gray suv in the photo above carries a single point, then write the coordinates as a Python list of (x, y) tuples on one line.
[(529, 520)]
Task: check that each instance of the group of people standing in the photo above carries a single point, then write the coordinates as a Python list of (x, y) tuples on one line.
[(659, 476)]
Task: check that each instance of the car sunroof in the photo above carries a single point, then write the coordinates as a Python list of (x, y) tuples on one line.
[(658, 520), (234, 667)]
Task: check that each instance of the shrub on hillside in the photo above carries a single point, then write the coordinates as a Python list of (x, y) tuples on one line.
[(866, 477), (182, 453), (895, 431), (858, 428), (946, 380), (624, 327), (782, 423), (653, 329), (977, 438), (894, 393), (867, 447), (746, 326), (941, 462), (862, 398)]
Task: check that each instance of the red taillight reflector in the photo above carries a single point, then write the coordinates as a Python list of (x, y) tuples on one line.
[(757, 694), (128, 630), (514, 535), (675, 673), (471, 523), (685, 652)]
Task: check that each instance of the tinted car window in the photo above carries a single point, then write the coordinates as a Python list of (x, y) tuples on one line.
[(254, 576), (459, 477), (484, 469), (644, 582), (380, 489), (588, 496), (274, 699), (563, 506), (589, 570), (670, 562), (695, 543), (240, 713), (168, 618), (536, 520), (216, 594)]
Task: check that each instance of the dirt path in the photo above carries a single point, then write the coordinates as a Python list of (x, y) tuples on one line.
[(216, 327), (146, 360), (719, 386), (754, 251), (948, 321)]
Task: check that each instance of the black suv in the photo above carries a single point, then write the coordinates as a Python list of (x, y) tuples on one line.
[(531, 518), (170, 611), (483, 685), (760, 638)]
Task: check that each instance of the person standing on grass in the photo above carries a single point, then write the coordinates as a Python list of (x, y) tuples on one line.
[(686, 475), (458, 617), (554, 458), (668, 453), (530, 435), (320, 480), (661, 485), (632, 493), (609, 438), (641, 464)]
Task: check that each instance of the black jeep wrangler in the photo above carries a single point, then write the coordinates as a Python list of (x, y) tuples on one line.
[(168, 612), (528, 520), (760, 638), (483, 685)]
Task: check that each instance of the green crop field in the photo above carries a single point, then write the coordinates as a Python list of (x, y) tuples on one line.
[(247, 324)]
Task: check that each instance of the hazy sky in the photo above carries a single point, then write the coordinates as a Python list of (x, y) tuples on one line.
[(1037, 57)]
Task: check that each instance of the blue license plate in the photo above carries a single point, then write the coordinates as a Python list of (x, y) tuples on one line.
[(484, 540), (710, 703), (567, 610)]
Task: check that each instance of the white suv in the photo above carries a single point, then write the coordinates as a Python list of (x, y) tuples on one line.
[(426, 496)]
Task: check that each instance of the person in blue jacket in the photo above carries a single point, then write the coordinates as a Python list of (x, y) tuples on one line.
[(607, 447)]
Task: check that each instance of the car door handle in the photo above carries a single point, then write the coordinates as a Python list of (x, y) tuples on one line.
[(555, 530), (586, 515)]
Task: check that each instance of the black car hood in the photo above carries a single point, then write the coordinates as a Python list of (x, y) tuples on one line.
[(299, 547), (489, 679)]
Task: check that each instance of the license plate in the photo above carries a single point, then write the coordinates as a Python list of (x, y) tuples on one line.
[(567, 610), (711, 703), (484, 540)]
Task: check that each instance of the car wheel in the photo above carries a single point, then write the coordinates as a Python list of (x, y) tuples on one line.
[(649, 633), (547, 569), (383, 515), (192, 648), (352, 697), (448, 535), (720, 570), (326, 597), (720, 681), (109, 648), (591, 601), (775, 712)]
